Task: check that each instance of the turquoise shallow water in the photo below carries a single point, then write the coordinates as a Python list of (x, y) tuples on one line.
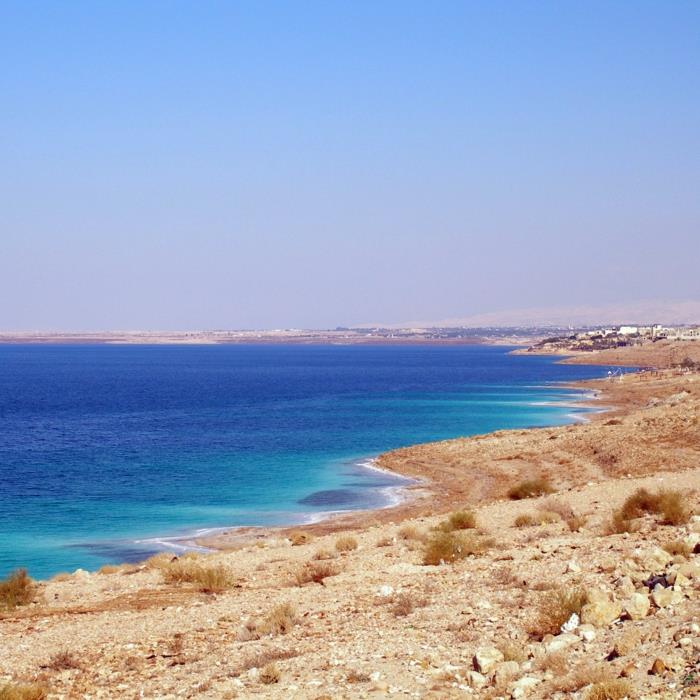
[(105, 451)]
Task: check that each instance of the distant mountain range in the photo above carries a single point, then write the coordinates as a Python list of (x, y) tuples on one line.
[(643, 312)]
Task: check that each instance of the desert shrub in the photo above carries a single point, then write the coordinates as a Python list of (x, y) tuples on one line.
[(208, 579), (459, 520), (554, 661), (262, 659), (299, 537), (524, 520), (610, 690), (109, 569), (554, 608), (448, 547), (385, 542), (668, 504), (324, 554), (63, 661), (404, 604), (576, 522), (556, 505), (674, 510), (618, 524), (270, 674), (412, 532), (530, 488), (315, 572), (23, 691), (354, 676), (546, 517), (160, 561), (677, 547), (346, 543), (280, 620), (17, 589), (581, 676), (512, 651)]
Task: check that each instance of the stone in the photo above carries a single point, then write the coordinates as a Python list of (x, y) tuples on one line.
[(654, 558), (506, 670), (658, 667), (690, 569), (523, 686), (587, 633), (571, 624), (663, 597), (681, 581), (625, 587), (573, 568), (562, 641), (486, 659), (637, 606), (386, 591), (601, 612), (475, 679)]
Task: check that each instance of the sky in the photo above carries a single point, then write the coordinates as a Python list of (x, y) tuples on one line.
[(207, 165)]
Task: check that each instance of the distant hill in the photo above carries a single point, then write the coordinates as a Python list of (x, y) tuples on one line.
[(644, 312)]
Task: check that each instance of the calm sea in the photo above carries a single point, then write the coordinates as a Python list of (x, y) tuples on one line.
[(107, 452)]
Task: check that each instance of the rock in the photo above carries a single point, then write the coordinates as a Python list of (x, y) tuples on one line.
[(601, 612), (654, 558), (663, 597), (681, 581), (690, 569), (562, 641), (571, 624), (587, 633), (506, 671), (486, 658), (81, 574), (476, 679), (625, 586), (628, 671), (657, 668), (523, 686), (637, 606), (573, 568), (386, 591)]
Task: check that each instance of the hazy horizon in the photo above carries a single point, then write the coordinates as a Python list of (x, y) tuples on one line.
[(311, 165)]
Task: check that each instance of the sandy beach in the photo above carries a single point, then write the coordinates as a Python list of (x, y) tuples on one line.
[(348, 608)]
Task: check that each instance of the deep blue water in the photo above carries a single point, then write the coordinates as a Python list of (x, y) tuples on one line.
[(102, 446)]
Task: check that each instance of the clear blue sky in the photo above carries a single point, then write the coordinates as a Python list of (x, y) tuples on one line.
[(267, 164)]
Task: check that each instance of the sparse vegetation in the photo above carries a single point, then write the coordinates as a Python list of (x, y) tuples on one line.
[(324, 554), (448, 547), (280, 620), (109, 569), (615, 689), (315, 572), (208, 579), (63, 661), (23, 691), (17, 589), (531, 488), (555, 607), (524, 520), (412, 533), (404, 604), (669, 505), (347, 543), (263, 658), (270, 674), (300, 537), (678, 547), (354, 676), (385, 542), (459, 520)]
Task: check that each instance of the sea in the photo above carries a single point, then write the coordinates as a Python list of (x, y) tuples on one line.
[(109, 453)]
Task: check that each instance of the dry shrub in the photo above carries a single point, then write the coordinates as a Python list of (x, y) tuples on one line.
[(324, 554), (677, 547), (17, 589), (62, 661), (555, 661), (315, 572), (581, 676), (504, 576), (610, 690), (524, 520), (385, 542), (561, 508), (668, 504), (299, 537), (208, 579), (270, 674), (618, 524), (109, 569), (262, 659), (280, 620), (412, 532), (459, 520), (23, 691), (354, 676), (346, 543), (512, 651), (448, 547), (160, 561), (404, 604), (554, 608), (576, 522), (546, 517), (531, 488)]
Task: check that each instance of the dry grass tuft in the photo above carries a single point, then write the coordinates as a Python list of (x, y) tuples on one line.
[(459, 520), (668, 504), (512, 651), (23, 691), (208, 579), (555, 607), (263, 658), (412, 533), (561, 508), (531, 488), (280, 620), (270, 674), (63, 661), (581, 676), (677, 547), (555, 661), (618, 524), (346, 543), (576, 522), (324, 554), (299, 537), (385, 542), (404, 604), (160, 561), (524, 520), (354, 676), (315, 572), (449, 547), (616, 689), (17, 589)]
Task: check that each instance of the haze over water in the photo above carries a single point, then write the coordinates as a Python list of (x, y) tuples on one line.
[(104, 446)]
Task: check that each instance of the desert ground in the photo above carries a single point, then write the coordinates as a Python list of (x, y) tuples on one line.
[(525, 563)]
